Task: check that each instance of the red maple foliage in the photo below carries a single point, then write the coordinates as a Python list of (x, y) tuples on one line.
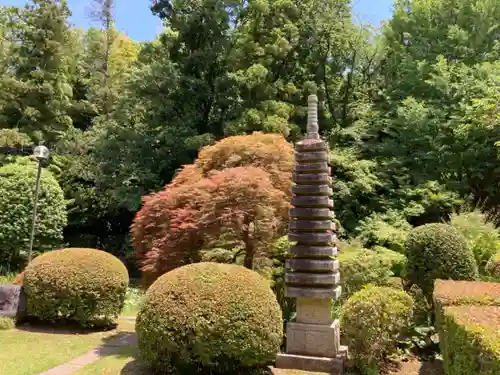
[(245, 203), (174, 225), (165, 231), (268, 151)]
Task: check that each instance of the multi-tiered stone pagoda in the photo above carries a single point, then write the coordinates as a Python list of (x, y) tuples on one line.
[(312, 272)]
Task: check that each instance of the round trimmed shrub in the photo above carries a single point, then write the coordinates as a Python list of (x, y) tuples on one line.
[(438, 251), (218, 317), (17, 185), (493, 266), (371, 320), (86, 286)]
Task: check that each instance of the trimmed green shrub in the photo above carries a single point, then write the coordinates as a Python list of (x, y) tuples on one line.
[(467, 316), (86, 286), (363, 267), (438, 251), (17, 185), (371, 320), (211, 316), (493, 266), (470, 333), (481, 234)]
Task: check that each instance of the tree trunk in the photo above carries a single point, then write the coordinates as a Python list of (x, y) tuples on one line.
[(249, 249), (249, 255)]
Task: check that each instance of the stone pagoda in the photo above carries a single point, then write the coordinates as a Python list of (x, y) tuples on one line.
[(312, 272)]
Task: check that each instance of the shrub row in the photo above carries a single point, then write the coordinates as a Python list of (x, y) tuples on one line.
[(468, 320)]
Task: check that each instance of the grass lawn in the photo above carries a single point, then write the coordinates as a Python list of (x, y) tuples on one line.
[(123, 363), (28, 350)]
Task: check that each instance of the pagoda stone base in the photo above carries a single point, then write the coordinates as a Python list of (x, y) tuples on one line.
[(313, 339), (334, 366)]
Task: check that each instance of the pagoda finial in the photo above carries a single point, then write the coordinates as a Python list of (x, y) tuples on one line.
[(312, 117)]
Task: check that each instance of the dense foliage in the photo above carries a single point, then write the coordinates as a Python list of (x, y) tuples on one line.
[(17, 186), (372, 319), (409, 110), (481, 234), (362, 266), (493, 266), (438, 251), (85, 286), (210, 316)]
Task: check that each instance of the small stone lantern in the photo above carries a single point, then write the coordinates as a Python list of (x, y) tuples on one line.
[(312, 272)]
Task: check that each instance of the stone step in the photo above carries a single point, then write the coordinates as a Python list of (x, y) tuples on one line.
[(332, 366)]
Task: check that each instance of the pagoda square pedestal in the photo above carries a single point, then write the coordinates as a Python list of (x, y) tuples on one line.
[(313, 339)]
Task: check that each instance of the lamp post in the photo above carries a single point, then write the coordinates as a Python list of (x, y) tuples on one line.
[(41, 153)]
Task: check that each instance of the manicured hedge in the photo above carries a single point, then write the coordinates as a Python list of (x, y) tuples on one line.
[(371, 320), (86, 286), (438, 251), (468, 320), (221, 318)]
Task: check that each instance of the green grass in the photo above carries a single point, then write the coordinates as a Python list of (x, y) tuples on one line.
[(122, 363), (28, 350)]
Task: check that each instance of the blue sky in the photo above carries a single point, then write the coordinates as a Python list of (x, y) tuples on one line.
[(134, 18)]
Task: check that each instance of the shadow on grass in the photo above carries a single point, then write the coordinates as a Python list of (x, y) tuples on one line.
[(136, 368), (128, 350), (133, 368), (61, 328)]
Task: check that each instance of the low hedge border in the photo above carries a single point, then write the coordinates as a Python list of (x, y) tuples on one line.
[(468, 321)]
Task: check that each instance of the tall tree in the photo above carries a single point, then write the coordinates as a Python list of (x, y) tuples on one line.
[(35, 94)]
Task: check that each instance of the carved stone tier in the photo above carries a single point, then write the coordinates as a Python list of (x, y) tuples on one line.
[(318, 293), (318, 167), (312, 189), (311, 238), (310, 225), (312, 251), (311, 213), (312, 201), (299, 264)]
